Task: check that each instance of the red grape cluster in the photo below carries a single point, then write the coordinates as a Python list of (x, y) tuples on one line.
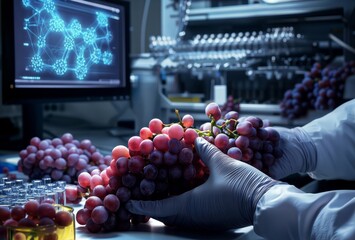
[(321, 89), (162, 161), (34, 214), (243, 138), (61, 158)]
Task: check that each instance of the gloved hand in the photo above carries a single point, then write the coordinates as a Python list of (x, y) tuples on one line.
[(299, 153), (226, 200), (323, 148)]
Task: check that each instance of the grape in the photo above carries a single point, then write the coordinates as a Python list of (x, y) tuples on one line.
[(46, 210), (129, 180), (67, 138), (146, 147), (56, 174), (17, 213), (176, 131), (213, 110), (92, 202), (112, 203), (111, 223), (84, 179), (187, 121), (123, 194), (31, 207), (99, 191), (190, 135), (95, 181), (161, 142), (72, 159), (120, 151), (99, 215), (155, 125), (242, 142), (10, 223), (55, 153), (115, 182), (92, 227), (72, 192), (46, 221), (104, 176), (156, 157), (235, 153), (247, 154), (83, 215), (186, 156), (170, 158), (232, 115), (174, 145), (19, 236), (60, 163), (26, 222), (150, 171), (244, 128), (122, 165), (273, 134), (147, 187), (136, 164), (35, 141), (133, 143), (31, 149), (145, 133), (4, 213), (221, 141), (81, 165), (63, 218)]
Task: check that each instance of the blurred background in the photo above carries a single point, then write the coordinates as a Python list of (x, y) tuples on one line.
[(284, 61)]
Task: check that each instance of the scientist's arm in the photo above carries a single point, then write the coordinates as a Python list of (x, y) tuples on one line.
[(323, 148), (285, 212)]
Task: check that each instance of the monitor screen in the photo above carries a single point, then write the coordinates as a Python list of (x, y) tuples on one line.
[(65, 50)]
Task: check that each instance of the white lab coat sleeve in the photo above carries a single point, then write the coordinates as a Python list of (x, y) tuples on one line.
[(286, 212), (334, 138)]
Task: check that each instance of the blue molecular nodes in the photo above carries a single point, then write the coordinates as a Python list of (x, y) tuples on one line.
[(64, 47)]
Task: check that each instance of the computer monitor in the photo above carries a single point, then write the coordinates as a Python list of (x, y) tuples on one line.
[(63, 50)]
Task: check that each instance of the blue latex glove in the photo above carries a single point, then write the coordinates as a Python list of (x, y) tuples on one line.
[(299, 153), (323, 148), (226, 200)]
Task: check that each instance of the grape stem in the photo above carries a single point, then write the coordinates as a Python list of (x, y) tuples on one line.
[(178, 116)]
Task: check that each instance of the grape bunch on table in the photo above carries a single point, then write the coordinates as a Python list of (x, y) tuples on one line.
[(320, 89)]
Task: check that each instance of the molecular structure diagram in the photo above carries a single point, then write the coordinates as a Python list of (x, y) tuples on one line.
[(66, 47)]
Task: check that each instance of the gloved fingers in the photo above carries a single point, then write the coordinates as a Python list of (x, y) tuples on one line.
[(156, 209), (209, 154)]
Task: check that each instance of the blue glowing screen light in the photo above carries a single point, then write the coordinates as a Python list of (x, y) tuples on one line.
[(65, 43)]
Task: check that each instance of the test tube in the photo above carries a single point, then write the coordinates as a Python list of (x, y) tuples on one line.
[(60, 192), (50, 194)]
